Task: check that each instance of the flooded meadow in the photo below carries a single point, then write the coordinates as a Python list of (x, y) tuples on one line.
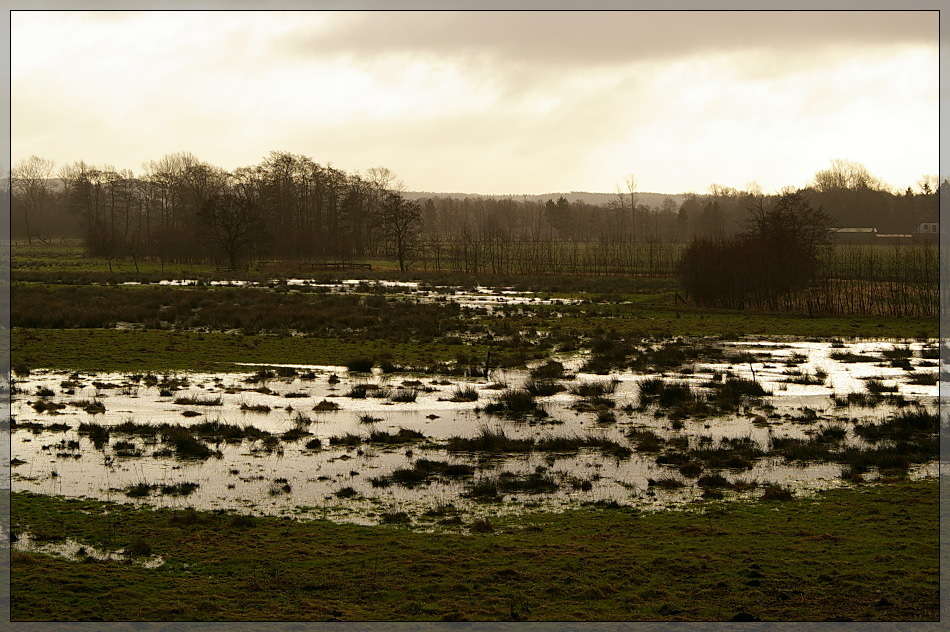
[(679, 422), (477, 296)]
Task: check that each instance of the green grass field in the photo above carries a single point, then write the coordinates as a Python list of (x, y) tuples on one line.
[(117, 350), (867, 553)]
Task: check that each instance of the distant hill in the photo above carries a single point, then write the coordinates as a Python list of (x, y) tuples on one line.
[(654, 200), (600, 199)]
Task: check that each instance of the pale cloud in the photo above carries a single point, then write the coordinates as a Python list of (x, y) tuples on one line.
[(608, 38), (488, 102)]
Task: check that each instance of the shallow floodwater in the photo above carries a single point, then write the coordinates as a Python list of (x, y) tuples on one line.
[(72, 550), (286, 477), (479, 296)]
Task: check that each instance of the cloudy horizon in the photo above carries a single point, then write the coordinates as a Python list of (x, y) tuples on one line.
[(488, 102)]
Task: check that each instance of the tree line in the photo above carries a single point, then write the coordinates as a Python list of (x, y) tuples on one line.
[(290, 207), (780, 262), (182, 209)]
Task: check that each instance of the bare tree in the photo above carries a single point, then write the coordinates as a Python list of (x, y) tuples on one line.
[(233, 222), (928, 183), (383, 179), (844, 175), (31, 185), (401, 220), (631, 184)]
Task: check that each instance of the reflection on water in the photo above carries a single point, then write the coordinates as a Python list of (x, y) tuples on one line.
[(285, 476), (479, 296), (76, 551)]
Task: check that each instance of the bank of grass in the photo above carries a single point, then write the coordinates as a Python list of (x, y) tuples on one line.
[(65, 261), (120, 350), (660, 320), (159, 350), (865, 553)]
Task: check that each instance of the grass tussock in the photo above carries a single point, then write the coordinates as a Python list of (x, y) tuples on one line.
[(595, 388), (542, 387), (403, 395), (464, 393), (197, 399), (493, 488), (490, 440), (422, 472), (515, 403), (550, 370), (360, 365)]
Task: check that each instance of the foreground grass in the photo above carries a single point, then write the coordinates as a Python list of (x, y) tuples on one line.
[(868, 553), (159, 350)]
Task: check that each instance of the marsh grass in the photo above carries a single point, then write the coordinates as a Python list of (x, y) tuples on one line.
[(361, 391), (464, 393), (394, 517), (178, 489), (596, 388), (542, 387), (481, 525), (736, 453), (403, 395), (295, 434), (402, 436), (905, 439), (804, 378), (422, 471), (97, 433), (905, 426), (777, 493), (493, 488), (852, 358), (197, 399), (923, 379), (360, 365), (646, 440), (46, 406), (497, 441), (515, 403), (666, 482), (348, 440), (90, 406), (550, 370), (878, 387), (255, 408)]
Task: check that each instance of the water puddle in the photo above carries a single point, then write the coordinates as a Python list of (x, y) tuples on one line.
[(318, 441), (74, 551), (477, 297)]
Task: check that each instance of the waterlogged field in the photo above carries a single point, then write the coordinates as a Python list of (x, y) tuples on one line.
[(477, 296), (675, 423), (456, 448)]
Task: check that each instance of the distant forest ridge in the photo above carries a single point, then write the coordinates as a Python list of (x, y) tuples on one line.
[(594, 199), (646, 198)]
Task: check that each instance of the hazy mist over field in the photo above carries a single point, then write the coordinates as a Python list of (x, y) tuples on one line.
[(515, 102)]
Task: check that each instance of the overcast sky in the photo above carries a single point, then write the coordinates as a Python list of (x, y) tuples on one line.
[(490, 102)]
